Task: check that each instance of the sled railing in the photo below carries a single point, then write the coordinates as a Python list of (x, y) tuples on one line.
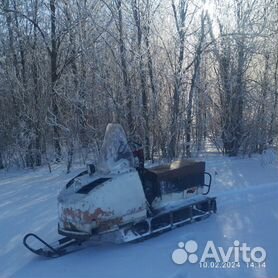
[(209, 183), (52, 252)]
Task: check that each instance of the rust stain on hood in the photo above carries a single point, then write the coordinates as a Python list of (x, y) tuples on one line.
[(86, 216)]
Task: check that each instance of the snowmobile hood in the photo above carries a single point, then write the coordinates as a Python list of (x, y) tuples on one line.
[(82, 186)]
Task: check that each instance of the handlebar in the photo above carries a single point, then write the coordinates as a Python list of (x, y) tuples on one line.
[(209, 184)]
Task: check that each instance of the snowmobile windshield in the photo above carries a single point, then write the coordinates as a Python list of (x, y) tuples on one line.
[(115, 155)]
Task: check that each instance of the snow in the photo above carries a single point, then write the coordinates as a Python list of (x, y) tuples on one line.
[(246, 190)]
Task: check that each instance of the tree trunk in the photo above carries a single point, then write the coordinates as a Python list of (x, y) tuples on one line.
[(196, 73), (179, 16), (21, 50), (54, 78), (12, 53), (126, 81), (1, 161), (262, 131), (37, 127), (151, 78), (275, 103), (137, 18)]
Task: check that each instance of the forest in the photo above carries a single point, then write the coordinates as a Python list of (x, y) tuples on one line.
[(176, 74)]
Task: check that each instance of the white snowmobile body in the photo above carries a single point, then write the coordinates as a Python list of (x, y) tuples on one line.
[(117, 195), (108, 198), (101, 203)]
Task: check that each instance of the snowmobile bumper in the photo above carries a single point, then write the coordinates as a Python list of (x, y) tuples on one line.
[(74, 234)]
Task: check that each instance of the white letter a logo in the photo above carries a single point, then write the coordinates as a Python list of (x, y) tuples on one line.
[(210, 252)]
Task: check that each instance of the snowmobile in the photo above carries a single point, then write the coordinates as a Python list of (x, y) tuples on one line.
[(117, 199)]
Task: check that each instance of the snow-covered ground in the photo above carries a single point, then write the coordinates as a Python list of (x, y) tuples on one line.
[(247, 198)]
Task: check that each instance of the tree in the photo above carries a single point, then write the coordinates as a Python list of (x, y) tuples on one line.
[(179, 17)]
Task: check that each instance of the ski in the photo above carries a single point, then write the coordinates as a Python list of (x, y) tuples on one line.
[(59, 248)]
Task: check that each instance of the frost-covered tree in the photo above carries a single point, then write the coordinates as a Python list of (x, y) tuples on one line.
[(174, 73)]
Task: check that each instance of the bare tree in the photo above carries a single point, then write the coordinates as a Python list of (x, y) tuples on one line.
[(180, 17)]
